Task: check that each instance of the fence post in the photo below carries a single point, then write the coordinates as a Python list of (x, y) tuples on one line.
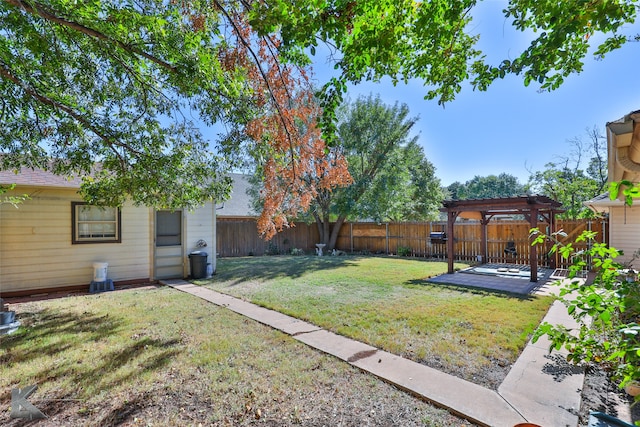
[(386, 232), (351, 235)]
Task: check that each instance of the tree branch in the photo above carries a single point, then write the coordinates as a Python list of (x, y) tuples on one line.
[(6, 73), (256, 60), (39, 10)]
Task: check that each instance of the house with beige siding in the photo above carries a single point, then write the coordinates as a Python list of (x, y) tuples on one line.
[(623, 149), (52, 240)]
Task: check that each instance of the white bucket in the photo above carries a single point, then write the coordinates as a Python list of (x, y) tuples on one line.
[(100, 271)]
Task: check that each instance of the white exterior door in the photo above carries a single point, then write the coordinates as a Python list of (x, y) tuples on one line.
[(169, 253)]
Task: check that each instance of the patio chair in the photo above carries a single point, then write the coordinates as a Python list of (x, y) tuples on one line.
[(511, 249)]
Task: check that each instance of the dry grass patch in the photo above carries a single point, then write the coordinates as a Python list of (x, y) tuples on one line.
[(162, 357)]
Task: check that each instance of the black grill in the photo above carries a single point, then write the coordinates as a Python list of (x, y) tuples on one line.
[(438, 237)]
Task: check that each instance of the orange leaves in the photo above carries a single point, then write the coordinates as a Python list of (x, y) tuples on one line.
[(299, 166), (296, 163)]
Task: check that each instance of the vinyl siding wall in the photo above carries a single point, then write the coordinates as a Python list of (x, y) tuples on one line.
[(36, 250), (199, 226), (625, 231)]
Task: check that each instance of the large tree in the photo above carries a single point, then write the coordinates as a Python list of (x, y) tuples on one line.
[(128, 83), (405, 189), (392, 179), (576, 177), (117, 91)]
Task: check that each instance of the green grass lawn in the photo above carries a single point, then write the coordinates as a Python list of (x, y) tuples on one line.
[(163, 357), (386, 302)]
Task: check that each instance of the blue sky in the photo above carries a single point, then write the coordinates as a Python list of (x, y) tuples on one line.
[(511, 128)]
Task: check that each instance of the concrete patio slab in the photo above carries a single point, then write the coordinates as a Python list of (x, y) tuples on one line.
[(504, 284)]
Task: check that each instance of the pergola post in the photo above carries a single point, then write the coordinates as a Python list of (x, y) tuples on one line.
[(533, 252), (552, 229), (451, 219), (483, 238)]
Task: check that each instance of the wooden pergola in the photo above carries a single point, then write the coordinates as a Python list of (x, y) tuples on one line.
[(531, 207)]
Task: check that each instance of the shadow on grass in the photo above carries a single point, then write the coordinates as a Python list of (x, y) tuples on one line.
[(33, 338), (81, 355), (238, 270), (473, 290)]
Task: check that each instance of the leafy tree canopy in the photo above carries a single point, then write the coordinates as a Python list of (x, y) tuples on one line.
[(484, 187), (123, 83), (434, 41), (568, 181), (391, 176)]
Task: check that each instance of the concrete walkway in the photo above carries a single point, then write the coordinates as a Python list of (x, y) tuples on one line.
[(541, 388)]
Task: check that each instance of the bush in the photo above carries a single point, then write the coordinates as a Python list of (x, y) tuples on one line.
[(607, 311), (296, 251), (272, 249), (404, 251)]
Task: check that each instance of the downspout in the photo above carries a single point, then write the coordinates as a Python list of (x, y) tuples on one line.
[(628, 157)]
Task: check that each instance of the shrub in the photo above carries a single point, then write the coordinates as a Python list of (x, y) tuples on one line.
[(272, 249), (404, 251), (296, 251), (607, 311)]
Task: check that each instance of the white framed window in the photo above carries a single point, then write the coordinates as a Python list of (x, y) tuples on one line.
[(94, 224)]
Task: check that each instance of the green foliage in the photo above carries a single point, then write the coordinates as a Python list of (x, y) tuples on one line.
[(565, 30), (606, 311), (435, 41), (570, 187), (404, 251), (297, 251), (630, 191), (127, 83), (503, 185), (13, 200), (569, 182), (393, 180), (272, 249), (115, 83)]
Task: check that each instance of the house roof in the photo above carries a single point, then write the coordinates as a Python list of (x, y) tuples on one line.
[(623, 124), (38, 178), (602, 202), (239, 204)]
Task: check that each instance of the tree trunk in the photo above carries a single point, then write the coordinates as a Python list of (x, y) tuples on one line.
[(331, 244), (328, 235), (324, 228)]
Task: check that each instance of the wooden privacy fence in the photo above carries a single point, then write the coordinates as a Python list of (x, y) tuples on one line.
[(240, 238)]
